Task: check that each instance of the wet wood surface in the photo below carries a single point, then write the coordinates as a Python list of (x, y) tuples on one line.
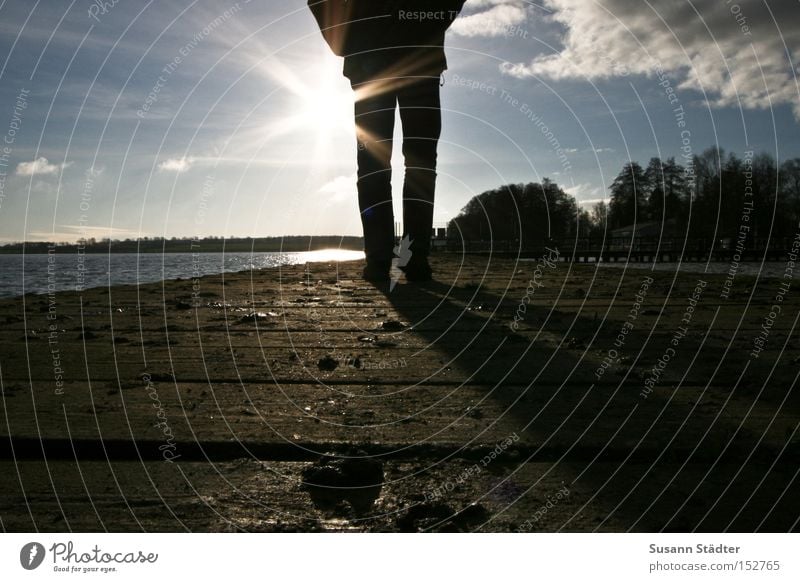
[(497, 398)]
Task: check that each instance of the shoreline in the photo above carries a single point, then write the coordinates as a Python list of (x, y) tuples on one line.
[(746, 268)]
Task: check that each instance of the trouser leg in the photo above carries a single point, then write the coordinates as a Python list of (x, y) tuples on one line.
[(374, 117), (420, 113)]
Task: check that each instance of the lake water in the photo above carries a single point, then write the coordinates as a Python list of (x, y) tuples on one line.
[(29, 273)]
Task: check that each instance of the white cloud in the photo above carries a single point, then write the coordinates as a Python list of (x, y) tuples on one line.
[(494, 18), (40, 166), (178, 165), (585, 193), (735, 57), (340, 188), (593, 201)]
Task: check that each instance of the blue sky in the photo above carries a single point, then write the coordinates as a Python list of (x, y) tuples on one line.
[(232, 119)]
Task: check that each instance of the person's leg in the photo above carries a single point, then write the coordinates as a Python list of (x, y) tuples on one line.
[(374, 116), (420, 112)]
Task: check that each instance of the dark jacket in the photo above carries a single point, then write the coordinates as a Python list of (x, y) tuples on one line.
[(380, 38)]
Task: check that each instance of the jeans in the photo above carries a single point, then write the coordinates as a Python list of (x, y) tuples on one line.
[(420, 115)]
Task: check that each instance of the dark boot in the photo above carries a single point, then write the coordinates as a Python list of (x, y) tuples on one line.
[(418, 269), (376, 271)]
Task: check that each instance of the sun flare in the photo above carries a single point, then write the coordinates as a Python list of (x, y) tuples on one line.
[(313, 104), (322, 102), (325, 107)]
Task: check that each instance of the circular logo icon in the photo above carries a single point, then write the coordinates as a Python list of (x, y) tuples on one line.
[(31, 555)]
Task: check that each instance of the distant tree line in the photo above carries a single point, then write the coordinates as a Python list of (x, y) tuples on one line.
[(710, 196), (211, 244), (705, 199)]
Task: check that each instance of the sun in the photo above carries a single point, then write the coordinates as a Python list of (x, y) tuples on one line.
[(327, 109), (325, 103), (313, 103)]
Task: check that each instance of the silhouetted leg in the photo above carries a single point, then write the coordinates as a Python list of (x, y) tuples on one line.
[(420, 113), (374, 126)]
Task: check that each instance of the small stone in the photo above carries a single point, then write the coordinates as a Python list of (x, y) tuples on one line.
[(253, 317), (162, 377), (328, 364), (344, 485), (393, 325), (575, 343), (473, 412)]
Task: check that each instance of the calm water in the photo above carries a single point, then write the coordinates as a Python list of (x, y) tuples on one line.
[(29, 273)]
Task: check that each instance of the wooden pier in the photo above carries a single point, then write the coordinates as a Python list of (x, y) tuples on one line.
[(304, 399), (637, 250)]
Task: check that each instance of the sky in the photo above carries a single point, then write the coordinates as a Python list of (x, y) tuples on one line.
[(126, 119)]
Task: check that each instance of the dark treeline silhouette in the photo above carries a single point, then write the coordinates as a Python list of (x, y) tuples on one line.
[(717, 196), (212, 244), (528, 213), (710, 197)]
